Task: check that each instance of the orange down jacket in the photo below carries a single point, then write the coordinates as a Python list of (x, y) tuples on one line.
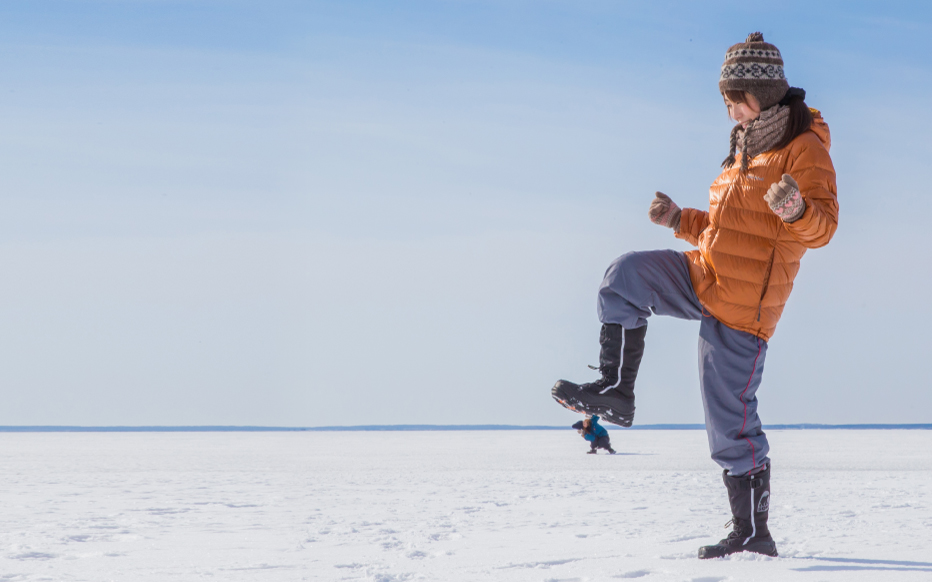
[(747, 257)]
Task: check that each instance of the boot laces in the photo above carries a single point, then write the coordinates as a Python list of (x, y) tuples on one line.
[(603, 384), (607, 376), (738, 530)]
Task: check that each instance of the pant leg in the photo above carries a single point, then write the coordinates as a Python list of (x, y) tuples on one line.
[(731, 366), (637, 284)]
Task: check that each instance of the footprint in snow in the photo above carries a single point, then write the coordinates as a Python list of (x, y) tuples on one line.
[(33, 556), (635, 574)]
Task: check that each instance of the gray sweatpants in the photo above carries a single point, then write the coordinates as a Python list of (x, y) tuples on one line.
[(731, 362)]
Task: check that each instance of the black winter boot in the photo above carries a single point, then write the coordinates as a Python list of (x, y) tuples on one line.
[(612, 395), (749, 497)]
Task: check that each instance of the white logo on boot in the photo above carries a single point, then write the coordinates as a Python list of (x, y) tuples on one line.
[(764, 503)]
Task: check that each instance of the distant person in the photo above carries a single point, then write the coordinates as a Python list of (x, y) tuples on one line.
[(595, 433), (775, 199)]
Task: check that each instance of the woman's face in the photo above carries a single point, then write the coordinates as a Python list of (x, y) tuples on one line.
[(743, 113)]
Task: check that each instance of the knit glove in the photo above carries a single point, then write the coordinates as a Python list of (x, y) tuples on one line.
[(785, 200), (665, 212)]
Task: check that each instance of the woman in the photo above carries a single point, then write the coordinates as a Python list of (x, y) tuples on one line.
[(775, 199)]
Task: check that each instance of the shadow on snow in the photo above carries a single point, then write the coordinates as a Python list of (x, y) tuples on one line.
[(864, 564)]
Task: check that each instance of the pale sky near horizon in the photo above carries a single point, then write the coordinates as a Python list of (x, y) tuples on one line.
[(325, 213)]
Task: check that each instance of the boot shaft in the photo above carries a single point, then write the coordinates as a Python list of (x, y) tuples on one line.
[(631, 363), (620, 357), (749, 497), (611, 339)]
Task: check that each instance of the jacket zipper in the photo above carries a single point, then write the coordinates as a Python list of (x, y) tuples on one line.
[(766, 282)]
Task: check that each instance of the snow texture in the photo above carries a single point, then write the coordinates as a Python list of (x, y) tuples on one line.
[(503, 506)]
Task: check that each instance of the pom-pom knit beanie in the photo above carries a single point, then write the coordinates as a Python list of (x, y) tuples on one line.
[(755, 66)]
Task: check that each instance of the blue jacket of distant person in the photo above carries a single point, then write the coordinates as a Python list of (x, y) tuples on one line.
[(595, 431)]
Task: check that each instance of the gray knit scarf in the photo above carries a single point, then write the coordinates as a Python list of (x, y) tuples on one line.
[(761, 135)]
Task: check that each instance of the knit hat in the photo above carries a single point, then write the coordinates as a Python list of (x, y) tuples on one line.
[(578, 425), (754, 66)]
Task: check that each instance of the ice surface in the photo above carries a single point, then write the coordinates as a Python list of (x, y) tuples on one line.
[(509, 506)]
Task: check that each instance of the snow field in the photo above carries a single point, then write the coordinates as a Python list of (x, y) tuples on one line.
[(484, 505)]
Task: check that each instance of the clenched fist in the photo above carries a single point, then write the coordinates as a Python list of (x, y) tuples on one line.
[(665, 212), (785, 200)]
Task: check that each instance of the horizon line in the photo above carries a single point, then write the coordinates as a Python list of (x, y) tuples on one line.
[(427, 427)]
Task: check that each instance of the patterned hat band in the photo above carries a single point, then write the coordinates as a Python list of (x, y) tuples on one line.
[(756, 71), (746, 52)]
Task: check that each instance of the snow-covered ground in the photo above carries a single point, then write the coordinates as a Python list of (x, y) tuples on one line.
[(509, 506)]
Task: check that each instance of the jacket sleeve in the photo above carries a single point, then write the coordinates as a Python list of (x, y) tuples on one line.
[(692, 223), (813, 170)]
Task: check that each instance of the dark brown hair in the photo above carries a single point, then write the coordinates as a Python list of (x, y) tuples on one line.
[(799, 122)]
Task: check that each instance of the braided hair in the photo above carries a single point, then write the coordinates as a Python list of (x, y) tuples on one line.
[(798, 122)]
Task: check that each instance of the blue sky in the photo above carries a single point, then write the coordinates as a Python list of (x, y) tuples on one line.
[(308, 213)]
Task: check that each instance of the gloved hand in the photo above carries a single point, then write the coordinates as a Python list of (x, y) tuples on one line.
[(665, 212), (785, 200)]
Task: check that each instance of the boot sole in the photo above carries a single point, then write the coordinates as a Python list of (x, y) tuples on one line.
[(763, 548), (569, 396)]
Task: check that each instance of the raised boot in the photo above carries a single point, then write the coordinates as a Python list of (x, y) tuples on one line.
[(612, 395), (749, 496)]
